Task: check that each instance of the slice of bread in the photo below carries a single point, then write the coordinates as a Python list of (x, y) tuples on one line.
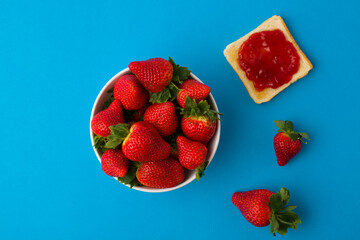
[(232, 52)]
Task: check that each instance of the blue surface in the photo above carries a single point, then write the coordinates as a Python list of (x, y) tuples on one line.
[(55, 58)]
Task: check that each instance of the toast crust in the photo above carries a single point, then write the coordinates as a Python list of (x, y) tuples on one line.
[(231, 54)]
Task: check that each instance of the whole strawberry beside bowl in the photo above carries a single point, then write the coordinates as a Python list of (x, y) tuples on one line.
[(262, 207), (159, 82), (287, 142)]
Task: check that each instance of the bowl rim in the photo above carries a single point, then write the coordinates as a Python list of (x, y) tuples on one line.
[(210, 157)]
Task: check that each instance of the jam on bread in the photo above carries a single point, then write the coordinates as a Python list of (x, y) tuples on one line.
[(267, 59)]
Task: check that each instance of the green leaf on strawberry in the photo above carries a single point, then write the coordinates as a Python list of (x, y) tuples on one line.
[(289, 208), (171, 91), (304, 135), (118, 134), (168, 94), (287, 127), (275, 226), (180, 74), (282, 216), (200, 171), (280, 124), (130, 178), (99, 144), (201, 109)]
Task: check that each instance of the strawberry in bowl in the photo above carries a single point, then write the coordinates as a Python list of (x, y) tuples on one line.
[(137, 118)]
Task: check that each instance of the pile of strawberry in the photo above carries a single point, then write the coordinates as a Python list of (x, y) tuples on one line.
[(156, 124)]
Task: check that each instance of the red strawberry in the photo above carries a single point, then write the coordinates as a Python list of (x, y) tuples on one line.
[(194, 89), (110, 116), (130, 92), (154, 74), (261, 207), (192, 154), (287, 142), (199, 122), (114, 163), (160, 174), (198, 128), (163, 117), (140, 143), (254, 206)]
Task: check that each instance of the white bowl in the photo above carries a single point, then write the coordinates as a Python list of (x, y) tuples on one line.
[(190, 175)]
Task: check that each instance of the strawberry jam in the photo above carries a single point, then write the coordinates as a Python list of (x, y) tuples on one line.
[(268, 59)]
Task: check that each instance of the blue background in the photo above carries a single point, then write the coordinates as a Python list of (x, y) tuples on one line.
[(54, 59)]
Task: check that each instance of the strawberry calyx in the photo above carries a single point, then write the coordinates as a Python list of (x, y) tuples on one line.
[(287, 127), (171, 91), (130, 177), (201, 109), (99, 144), (282, 217), (200, 171), (118, 134), (168, 94), (180, 74)]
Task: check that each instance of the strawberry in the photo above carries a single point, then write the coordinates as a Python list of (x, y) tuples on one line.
[(130, 92), (154, 74), (104, 119), (194, 89), (263, 207), (160, 174), (170, 92), (192, 155), (198, 128), (141, 142), (287, 142), (199, 121), (163, 117), (114, 163)]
